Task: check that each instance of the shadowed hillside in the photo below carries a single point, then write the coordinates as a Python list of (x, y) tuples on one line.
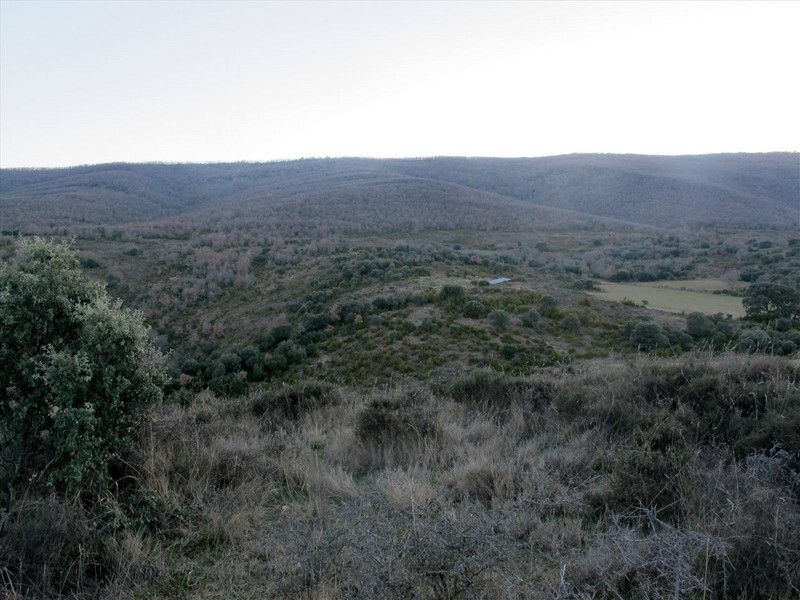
[(752, 189), (657, 190)]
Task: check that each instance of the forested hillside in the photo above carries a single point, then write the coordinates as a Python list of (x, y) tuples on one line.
[(657, 190), (757, 190)]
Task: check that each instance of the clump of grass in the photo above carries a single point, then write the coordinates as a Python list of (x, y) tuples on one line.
[(45, 548), (482, 481), (393, 417), (303, 474), (210, 468), (406, 488), (482, 387), (395, 429), (137, 559), (497, 393), (290, 402)]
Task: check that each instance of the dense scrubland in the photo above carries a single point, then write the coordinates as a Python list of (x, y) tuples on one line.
[(348, 409)]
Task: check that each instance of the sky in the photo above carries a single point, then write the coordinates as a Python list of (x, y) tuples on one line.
[(97, 82)]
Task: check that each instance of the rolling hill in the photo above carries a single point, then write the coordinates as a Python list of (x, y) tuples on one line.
[(756, 190)]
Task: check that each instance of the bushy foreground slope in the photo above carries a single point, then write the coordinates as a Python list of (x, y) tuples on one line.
[(650, 479)]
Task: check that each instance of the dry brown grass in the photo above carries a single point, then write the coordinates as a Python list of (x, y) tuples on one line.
[(606, 490)]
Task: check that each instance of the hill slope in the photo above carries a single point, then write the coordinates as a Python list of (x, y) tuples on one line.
[(742, 189), (655, 190)]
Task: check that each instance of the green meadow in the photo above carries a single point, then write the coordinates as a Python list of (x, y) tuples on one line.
[(658, 296), (701, 285)]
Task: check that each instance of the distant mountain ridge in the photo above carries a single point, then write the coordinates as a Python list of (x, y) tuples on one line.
[(757, 190)]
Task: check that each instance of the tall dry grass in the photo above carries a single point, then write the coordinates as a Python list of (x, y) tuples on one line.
[(650, 479)]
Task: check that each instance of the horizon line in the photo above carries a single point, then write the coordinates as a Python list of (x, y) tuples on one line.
[(376, 158)]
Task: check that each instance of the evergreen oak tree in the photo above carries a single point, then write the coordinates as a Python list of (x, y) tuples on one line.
[(77, 372)]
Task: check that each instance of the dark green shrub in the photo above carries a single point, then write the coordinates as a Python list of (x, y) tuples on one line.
[(89, 262), (383, 303), (678, 339), (548, 306), (250, 356), (430, 325), (191, 367), (349, 311), (450, 292), (292, 351), (509, 351), (274, 364), (621, 275), (766, 301), (277, 335), (784, 346), (751, 274), (531, 318), (78, 372), (228, 384), (647, 334), (258, 372), (699, 325), (571, 323), (229, 362), (754, 340), (723, 335), (316, 322), (474, 310), (499, 318)]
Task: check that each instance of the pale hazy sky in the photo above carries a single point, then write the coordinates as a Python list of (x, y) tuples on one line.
[(92, 82)]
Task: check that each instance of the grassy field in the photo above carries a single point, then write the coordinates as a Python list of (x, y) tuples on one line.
[(660, 297), (701, 285)]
